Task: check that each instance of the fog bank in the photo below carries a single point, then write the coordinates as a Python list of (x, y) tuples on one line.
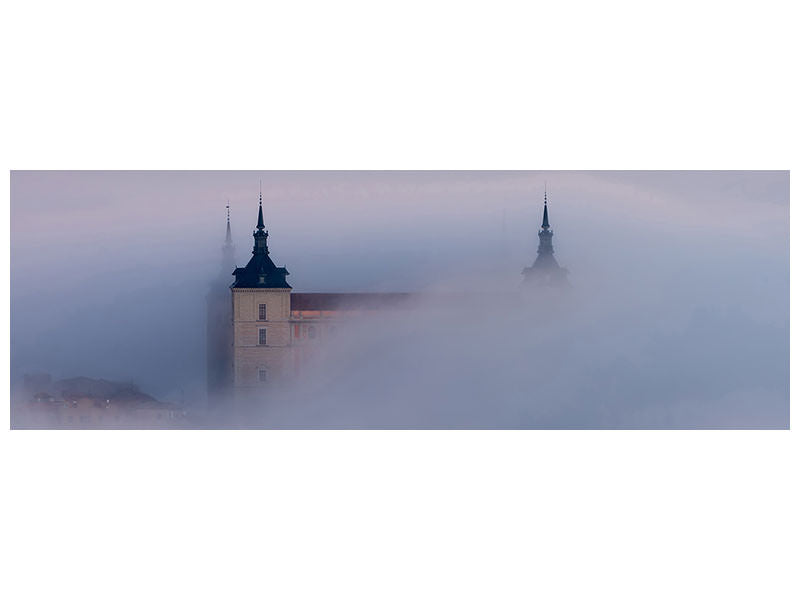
[(678, 314)]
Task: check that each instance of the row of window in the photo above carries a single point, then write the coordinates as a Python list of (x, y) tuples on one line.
[(311, 332)]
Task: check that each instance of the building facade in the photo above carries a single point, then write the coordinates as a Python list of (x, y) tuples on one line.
[(260, 322), (261, 332)]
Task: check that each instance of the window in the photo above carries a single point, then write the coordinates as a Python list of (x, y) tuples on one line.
[(262, 336), (262, 312), (312, 332), (261, 278), (262, 375)]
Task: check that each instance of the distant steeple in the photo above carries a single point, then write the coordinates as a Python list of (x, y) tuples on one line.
[(228, 238), (228, 249), (545, 268), (545, 221), (545, 235)]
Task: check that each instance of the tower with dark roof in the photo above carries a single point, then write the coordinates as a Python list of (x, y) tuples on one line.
[(261, 307), (260, 272), (545, 270)]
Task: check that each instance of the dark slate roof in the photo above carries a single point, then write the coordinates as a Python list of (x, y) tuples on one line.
[(260, 265), (348, 301)]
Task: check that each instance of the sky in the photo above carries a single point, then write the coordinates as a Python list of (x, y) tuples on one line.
[(679, 312)]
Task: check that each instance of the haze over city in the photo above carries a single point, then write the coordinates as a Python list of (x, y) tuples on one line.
[(677, 316)]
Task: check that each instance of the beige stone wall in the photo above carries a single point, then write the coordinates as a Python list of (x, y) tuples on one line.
[(248, 356), (245, 333), (289, 335), (249, 360), (246, 301)]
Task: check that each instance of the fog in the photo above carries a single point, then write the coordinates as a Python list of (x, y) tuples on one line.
[(677, 314)]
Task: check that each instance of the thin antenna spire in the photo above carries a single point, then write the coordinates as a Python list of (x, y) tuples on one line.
[(228, 238), (545, 191), (259, 192)]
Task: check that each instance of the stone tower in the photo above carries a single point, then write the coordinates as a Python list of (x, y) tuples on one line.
[(261, 310), (219, 338), (545, 271)]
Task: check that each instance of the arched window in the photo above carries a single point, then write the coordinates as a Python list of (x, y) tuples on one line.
[(262, 375)]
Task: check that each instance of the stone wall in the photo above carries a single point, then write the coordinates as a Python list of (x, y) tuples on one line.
[(249, 356)]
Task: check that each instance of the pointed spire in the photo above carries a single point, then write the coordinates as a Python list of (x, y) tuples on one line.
[(228, 249), (260, 234), (260, 225), (260, 271), (545, 269), (228, 238), (545, 220)]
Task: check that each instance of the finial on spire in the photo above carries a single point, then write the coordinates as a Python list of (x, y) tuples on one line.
[(260, 225), (545, 220)]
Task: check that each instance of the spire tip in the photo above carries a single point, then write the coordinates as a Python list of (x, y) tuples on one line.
[(260, 225), (545, 220)]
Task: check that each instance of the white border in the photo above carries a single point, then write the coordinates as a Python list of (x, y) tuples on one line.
[(417, 85)]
